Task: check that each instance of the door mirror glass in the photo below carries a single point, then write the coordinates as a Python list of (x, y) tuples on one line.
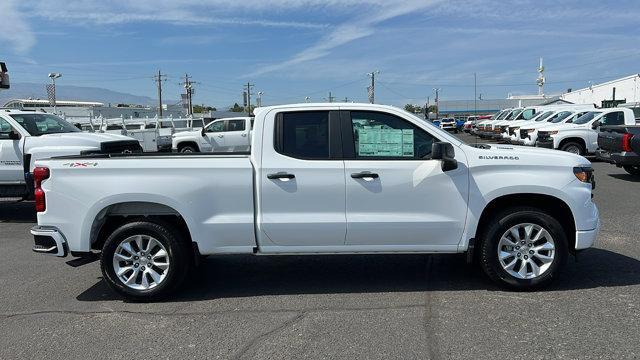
[(595, 125), (444, 151), (203, 131), (14, 135)]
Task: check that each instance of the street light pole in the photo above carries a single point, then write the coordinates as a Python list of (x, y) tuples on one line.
[(53, 77)]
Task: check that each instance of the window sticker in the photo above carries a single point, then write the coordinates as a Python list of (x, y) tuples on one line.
[(376, 141)]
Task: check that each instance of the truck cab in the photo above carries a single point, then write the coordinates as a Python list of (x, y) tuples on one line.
[(220, 135)]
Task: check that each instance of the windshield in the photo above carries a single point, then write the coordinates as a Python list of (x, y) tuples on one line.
[(587, 117), (514, 113), (543, 116), (503, 115), (559, 117), (42, 124)]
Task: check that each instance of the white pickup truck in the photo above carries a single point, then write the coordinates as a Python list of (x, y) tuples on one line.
[(581, 135), (26, 136), (220, 135), (334, 178)]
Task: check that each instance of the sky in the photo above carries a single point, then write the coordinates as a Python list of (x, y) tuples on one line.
[(293, 49)]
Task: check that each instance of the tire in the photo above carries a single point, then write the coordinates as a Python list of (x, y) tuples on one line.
[(498, 234), (632, 169), (573, 147), (170, 270), (188, 149)]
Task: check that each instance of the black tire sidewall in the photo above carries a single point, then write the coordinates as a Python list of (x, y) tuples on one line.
[(632, 169), (504, 221), (184, 149), (176, 250)]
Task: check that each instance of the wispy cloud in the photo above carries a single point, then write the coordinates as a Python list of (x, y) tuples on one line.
[(14, 30), (354, 29)]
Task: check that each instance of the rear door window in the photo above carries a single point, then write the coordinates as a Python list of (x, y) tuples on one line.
[(303, 135), (235, 125), (613, 118)]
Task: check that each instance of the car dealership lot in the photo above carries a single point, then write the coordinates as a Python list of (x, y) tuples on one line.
[(382, 306)]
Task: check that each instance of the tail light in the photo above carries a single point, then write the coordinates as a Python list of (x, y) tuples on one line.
[(626, 142), (40, 174)]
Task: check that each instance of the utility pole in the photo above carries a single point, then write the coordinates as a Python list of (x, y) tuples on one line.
[(259, 99), (189, 91), (331, 98), (346, 99), (159, 79), (437, 102), (248, 92), (475, 94), (371, 90)]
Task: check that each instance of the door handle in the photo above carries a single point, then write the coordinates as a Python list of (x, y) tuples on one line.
[(220, 136), (244, 135), (365, 174), (280, 175)]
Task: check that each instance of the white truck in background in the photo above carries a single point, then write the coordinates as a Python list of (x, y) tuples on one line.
[(330, 178), (220, 135), (581, 135)]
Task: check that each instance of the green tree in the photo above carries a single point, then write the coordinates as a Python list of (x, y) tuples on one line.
[(201, 108), (236, 108)]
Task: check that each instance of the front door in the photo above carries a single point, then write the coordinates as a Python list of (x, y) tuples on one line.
[(11, 170), (237, 135), (213, 139), (396, 195), (302, 182)]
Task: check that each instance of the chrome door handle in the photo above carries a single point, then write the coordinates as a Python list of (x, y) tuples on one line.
[(220, 136), (244, 135), (280, 175)]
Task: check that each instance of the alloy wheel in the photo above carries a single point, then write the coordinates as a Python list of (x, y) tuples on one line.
[(141, 262), (526, 251)]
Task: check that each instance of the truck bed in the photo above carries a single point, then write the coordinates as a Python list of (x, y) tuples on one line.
[(212, 192), (610, 144)]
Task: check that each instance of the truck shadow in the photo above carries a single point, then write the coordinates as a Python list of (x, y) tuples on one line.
[(249, 276), (17, 212), (626, 177)]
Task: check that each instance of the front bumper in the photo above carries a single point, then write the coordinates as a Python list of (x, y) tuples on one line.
[(49, 241), (548, 144), (588, 238)]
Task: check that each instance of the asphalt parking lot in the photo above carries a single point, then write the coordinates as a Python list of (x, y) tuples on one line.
[(361, 307)]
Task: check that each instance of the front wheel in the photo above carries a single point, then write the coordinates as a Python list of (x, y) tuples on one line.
[(523, 249), (573, 147), (188, 149), (144, 260), (632, 169)]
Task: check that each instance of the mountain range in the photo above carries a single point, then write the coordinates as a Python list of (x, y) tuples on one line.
[(78, 93)]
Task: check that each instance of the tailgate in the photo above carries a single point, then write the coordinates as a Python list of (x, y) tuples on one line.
[(610, 141)]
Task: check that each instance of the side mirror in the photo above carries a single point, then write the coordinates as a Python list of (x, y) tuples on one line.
[(595, 125), (203, 132), (14, 135), (444, 151)]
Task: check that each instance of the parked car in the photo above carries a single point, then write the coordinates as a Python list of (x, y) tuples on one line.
[(469, 123), (449, 124), (221, 135), (581, 136), (320, 179), (484, 129), (26, 136), (532, 114), (528, 134), (620, 145)]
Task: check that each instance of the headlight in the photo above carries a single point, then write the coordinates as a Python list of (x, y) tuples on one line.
[(552, 132), (585, 174)]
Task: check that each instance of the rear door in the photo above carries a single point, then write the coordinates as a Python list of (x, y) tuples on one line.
[(11, 170), (395, 194), (236, 135), (302, 180)]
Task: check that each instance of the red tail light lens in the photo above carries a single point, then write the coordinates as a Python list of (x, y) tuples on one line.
[(626, 142), (40, 174)]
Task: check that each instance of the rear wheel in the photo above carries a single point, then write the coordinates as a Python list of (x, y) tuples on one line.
[(632, 169), (523, 248), (573, 147), (144, 260)]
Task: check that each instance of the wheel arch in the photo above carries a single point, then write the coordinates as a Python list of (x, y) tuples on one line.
[(550, 204), (114, 215), (575, 139)]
